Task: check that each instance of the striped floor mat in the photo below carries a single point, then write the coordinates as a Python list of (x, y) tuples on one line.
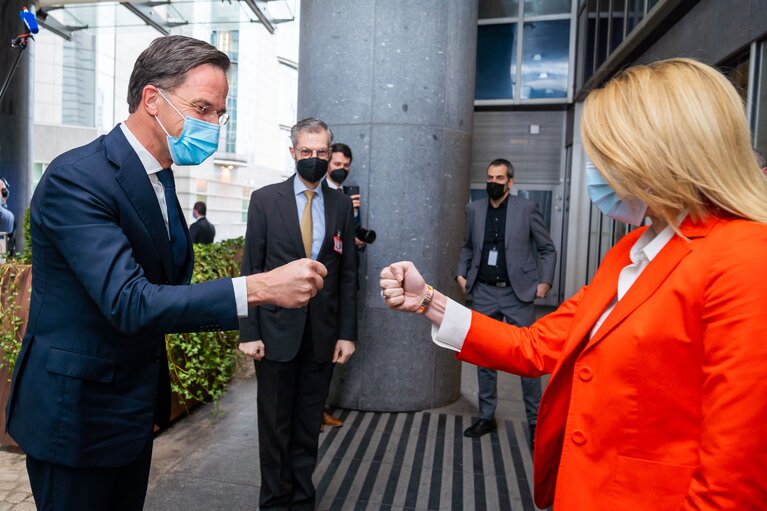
[(387, 461)]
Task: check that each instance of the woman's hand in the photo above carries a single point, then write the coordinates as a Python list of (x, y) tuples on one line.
[(402, 286)]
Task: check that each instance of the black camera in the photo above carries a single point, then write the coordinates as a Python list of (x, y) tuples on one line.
[(366, 235), (362, 234)]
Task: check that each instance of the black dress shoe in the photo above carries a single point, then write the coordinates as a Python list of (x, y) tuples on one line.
[(481, 427)]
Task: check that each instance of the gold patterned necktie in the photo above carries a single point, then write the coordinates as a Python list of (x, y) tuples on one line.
[(306, 223)]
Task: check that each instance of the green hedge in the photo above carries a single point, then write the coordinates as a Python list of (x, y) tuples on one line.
[(200, 363)]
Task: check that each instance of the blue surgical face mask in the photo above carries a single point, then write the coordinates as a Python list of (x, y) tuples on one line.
[(631, 211), (198, 139)]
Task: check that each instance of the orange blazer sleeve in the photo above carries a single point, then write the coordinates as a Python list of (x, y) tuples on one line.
[(529, 352), (733, 443)]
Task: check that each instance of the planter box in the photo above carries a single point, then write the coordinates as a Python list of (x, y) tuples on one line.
[(15, 288)]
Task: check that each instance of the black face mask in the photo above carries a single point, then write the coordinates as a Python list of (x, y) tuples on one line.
[(339, 175), (312, 169), (495, 190)]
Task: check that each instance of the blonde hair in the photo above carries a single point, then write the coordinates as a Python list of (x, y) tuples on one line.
[(674, 135)]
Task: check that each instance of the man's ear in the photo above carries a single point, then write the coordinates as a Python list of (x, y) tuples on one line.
[(292, 153), (150, 98)]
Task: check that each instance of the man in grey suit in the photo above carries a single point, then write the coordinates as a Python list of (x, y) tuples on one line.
[(507, 261)]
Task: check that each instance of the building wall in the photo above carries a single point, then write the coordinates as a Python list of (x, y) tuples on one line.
[(711, 31), (266, 108)]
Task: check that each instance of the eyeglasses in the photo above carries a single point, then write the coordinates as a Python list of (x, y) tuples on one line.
[(305, 152), (204, 111)]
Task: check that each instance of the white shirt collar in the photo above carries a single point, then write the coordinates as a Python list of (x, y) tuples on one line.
[(331, 184), (151, 165), (650, 244)]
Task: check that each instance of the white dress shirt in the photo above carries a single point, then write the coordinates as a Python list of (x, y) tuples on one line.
[(152, 167), (457, 320)]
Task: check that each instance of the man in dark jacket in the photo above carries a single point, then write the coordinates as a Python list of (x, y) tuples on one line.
[(201, 231)]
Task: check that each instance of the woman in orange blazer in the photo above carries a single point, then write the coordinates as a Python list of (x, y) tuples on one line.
[(658, 394)]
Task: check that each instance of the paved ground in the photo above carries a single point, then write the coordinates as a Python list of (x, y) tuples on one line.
[(209, 461)]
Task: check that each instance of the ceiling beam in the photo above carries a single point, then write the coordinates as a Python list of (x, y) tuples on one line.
[(260, 15)]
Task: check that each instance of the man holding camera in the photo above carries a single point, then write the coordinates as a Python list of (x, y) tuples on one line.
[(295, 349), (6, 220), (6, 217), (339, 167)]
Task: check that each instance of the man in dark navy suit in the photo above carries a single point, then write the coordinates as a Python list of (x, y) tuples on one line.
[(295, 349), (201, 231), (111, 264)]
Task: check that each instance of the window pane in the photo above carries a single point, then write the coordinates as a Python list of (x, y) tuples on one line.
[(591, 34), (498, 9), (539, 7), (545, 59), (496, 61), (618, 19), (760, 103), (602, 26), (635, 13)]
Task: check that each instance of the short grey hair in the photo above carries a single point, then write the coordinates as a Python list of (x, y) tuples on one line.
[(311, 125), (166, 62)]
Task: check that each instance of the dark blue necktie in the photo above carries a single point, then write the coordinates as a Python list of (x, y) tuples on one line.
[(175, 226)]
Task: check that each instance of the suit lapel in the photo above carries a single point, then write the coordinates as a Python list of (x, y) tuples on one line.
[(653, 276), (601, 291), (480, 217), (134, 181), (510, 217), (289, 214)]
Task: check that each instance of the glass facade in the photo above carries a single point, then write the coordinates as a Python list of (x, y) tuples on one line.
[(759, 107), (545, 59), (496, 61), (543, 71), (229, 43), (78, 95), (498, 9)]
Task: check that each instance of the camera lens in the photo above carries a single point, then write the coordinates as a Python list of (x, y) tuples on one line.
[(368, 236)]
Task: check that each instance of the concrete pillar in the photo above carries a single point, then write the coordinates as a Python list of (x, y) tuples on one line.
[(16, 113), (394, 79)]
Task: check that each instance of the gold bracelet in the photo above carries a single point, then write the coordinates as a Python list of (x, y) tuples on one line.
[(426, 300)]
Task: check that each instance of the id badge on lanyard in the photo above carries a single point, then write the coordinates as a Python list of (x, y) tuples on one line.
[(492, 257)]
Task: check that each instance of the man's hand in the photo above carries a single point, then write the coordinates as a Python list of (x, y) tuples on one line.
[(359, 243), (356, 201), (461, 282), (402, 286), (290, 286), (343, 352), (253, 349), (543, 290)]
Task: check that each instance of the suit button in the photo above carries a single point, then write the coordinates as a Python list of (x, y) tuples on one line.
[(578, 437), (585, 373)]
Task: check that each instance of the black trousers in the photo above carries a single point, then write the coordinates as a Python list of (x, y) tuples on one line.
[(61, 488), (291, 399)]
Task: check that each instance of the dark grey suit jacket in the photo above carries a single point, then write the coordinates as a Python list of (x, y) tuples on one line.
[(527, 244), (273, 238)]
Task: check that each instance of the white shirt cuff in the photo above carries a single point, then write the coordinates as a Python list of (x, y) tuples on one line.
[(454, 328), (240, 286)]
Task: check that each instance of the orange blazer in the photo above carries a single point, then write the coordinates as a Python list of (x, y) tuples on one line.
[(665, 408)]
